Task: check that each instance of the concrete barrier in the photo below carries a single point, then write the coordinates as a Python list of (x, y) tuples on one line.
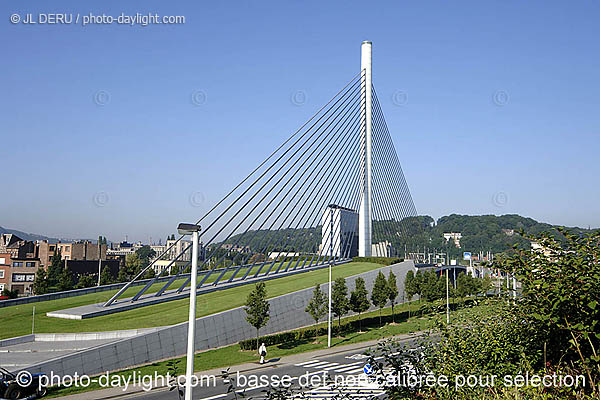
[(221, 329), (75, 292), (16, 340)]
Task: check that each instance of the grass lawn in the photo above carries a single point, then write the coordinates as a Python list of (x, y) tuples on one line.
[(232, 355), (16, 320)]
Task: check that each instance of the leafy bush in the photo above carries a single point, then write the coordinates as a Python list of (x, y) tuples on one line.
[(551, 328), (561, 292)]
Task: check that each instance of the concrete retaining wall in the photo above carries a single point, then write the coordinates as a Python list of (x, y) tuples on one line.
[(17, 340), (225, 328)]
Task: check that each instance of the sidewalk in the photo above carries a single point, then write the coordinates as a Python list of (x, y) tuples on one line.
[(114, 393)]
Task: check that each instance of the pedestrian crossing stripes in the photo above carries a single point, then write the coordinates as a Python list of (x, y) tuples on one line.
[(350, 368), (305, 363), (316, 364), (346, 392)]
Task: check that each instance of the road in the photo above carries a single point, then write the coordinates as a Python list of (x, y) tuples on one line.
[(309, 371)]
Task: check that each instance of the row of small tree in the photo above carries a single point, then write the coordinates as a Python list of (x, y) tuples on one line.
[(384, 291), (430, 286)]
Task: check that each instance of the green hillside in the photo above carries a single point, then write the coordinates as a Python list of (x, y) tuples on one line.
[(479, 233)]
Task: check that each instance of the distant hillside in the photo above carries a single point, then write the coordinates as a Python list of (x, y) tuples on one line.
[(27, 236), (479, 233), (35, 236)]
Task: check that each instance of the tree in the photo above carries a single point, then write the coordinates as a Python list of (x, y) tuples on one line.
[(464, 285), (256, 257), (106, 277), (392, 291), (339, 299), (257, 308), (65, 280), (55, 268), (430, 286), (317, 306), (359, 299), (122, 275), (133, 266), (149, 274), (102, 240), (379, 295), (11, 294), (40, 284), (85, 281), (145, 253), (410, 287)]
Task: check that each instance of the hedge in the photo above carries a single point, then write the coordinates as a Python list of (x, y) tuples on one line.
[(379, 260)]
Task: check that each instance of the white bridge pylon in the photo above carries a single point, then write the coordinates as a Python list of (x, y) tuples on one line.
[(343, 158), (366, 115)]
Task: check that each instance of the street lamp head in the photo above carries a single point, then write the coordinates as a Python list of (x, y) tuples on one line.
[(187, 229)]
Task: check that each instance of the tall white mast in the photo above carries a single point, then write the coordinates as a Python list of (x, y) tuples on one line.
[(365, 221)]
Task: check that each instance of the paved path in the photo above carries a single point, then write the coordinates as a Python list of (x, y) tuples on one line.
[(343, 361)]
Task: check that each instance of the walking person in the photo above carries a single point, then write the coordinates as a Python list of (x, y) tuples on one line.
[(262, 350)]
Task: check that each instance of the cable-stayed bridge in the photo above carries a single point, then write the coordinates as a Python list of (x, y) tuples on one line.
[(332, 191)]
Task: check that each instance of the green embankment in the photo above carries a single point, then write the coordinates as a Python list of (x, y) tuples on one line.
[(16, 320)]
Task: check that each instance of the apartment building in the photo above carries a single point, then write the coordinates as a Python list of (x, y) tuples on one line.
[(4, 271), (19, 262), (82, 250)]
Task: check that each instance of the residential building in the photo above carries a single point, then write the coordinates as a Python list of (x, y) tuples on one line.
[(382, 249), (81, 250), (8, 241), (182, 246), (339, 232), (236, 248), (20, 264), (123, 249), (23, 271), (4, 271), (274, 255), (454, 236)]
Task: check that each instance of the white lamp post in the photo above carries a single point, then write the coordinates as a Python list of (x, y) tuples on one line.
[(330, 263), (187, 229), (447, 298)]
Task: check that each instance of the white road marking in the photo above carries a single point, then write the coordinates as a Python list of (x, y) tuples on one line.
[(327, 366), (305, 363), (215, 397), (354, 371), (348, 367), (320, 363)]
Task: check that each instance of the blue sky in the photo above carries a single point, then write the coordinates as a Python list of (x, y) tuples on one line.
[(63, 155)]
